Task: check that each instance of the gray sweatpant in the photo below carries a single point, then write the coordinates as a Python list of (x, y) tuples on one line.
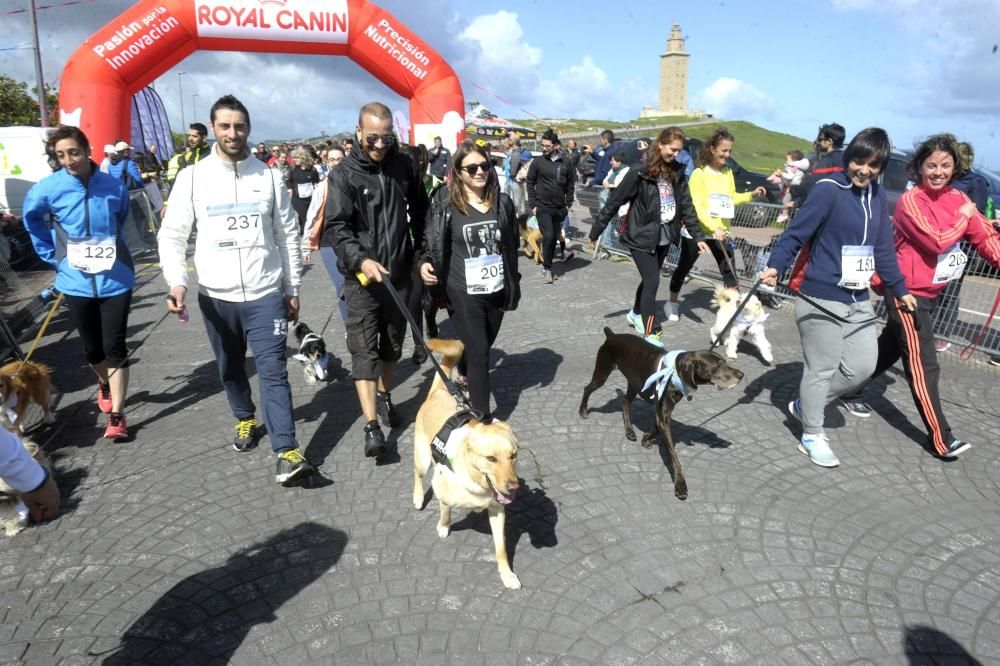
[(837, 357)]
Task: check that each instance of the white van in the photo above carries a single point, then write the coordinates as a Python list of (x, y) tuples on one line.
[(22, 164)]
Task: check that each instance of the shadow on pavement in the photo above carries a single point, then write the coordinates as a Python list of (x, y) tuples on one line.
[(531, 513), (513, 373), (205, 618), (925, 646)]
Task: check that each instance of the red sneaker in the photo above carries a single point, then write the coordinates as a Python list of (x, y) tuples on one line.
[(104, 397), (117, 428)]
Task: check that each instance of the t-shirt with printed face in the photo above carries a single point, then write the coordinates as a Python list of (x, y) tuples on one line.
[(473, 235)]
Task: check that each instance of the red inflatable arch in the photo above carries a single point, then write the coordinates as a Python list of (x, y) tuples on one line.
[(154, 35)]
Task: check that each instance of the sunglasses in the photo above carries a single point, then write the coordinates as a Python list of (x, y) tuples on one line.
[(471, 169), (386, 139)]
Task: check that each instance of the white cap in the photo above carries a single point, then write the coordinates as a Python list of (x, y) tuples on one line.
[(108, 148), (120, 146)]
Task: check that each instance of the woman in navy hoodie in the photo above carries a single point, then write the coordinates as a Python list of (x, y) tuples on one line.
[(845, 222), (76, 219)]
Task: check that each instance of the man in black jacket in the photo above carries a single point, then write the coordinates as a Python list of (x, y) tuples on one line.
[(369, 198), (550, 194)]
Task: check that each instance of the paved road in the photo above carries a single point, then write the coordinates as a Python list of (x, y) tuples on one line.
[(173, 548)]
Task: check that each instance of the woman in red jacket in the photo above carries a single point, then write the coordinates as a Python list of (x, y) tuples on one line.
[(930, 220)]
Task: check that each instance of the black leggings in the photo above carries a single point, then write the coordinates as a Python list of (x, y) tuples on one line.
[(689, 255), (477, 322), (102, 323), (645, 294)]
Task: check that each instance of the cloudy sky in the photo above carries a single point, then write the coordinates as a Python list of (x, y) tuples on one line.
[(910, 66)]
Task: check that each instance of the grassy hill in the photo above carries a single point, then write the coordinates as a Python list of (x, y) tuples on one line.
[(756, 148)]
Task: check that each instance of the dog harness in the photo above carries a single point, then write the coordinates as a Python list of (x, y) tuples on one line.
[(443, 444), (666, 375)]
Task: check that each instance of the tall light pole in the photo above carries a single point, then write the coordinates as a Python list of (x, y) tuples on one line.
[(39, 79), (194, 107), (180, 92)]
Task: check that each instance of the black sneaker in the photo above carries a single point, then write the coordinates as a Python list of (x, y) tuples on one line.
[(291, 466), (956, 447), (857, 407), (374, 440), (246, 434), (419, 355), (386, 410)]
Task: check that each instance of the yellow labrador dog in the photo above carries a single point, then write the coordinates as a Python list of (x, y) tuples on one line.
[(475, 469)]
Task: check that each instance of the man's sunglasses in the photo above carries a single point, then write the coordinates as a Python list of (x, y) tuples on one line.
[(471, 169), (387, 139)]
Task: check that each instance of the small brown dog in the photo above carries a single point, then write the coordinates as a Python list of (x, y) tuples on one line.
[(477, 467), (23, 383), (638, 360), (13, 512), (531, 237)]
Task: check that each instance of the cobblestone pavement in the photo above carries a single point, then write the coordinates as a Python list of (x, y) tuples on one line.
[(173, 548)]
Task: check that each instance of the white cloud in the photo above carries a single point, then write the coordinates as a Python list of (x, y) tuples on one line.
[(731, 98), (955, 67)]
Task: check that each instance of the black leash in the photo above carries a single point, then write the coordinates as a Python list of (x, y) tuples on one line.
[(418, 338)]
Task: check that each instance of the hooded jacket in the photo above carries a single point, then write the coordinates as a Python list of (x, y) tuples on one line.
[(271, 262), (437, 249), (366, 213), (836, 214), (550, 182), (642, 192), (59, 209)]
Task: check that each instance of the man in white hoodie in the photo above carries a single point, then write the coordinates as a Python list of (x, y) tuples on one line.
[(249, 271), (34, 484)]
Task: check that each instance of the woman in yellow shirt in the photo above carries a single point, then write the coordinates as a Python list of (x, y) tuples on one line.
[(714, 194)]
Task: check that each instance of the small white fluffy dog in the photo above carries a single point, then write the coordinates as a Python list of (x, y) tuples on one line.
[(749, 324)]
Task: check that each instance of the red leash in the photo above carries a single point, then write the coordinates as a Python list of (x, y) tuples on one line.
[(968, 351)]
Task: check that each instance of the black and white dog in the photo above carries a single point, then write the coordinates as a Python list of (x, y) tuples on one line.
[(312, 353)]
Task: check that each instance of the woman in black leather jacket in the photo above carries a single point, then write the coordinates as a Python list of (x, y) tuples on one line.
[(660, 212), (471, 253)]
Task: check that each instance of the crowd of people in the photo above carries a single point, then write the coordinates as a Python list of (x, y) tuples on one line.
[(438, 229)]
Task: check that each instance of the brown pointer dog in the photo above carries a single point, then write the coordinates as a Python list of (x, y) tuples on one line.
[(530, 237), (637, 360), (480, 472)]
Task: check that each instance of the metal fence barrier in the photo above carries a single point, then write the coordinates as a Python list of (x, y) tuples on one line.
[(23, 287), (962, 311)]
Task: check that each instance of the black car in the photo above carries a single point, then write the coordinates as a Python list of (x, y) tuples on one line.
[(895, 181)]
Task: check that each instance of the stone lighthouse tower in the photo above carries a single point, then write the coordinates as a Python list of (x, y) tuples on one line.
[(673, 78)]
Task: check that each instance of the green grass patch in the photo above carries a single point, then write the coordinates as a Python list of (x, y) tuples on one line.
[(756, 148)]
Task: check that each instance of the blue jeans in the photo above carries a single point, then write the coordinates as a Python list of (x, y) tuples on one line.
[(329, 258), (263, 324)]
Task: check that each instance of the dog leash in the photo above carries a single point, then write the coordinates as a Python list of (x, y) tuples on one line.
[(41, 332), (418, 338), (971, 348)]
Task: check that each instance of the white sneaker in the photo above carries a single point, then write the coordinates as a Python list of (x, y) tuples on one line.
[(817, 447), (671, 311)]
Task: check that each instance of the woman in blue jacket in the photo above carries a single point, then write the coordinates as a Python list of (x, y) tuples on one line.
[(76, 219)]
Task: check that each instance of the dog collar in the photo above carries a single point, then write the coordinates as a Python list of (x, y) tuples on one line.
[(667, 375), (442, 445)]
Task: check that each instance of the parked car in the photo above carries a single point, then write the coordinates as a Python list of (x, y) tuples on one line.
[(895, 181)]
